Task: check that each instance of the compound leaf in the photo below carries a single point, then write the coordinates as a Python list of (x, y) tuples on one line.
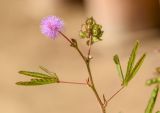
[(132, 58), (135, 69), (152, 100), (35, 74), (34, 82), (39, 78)]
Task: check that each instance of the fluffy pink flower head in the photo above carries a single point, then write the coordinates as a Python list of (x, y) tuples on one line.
[(50, 26)]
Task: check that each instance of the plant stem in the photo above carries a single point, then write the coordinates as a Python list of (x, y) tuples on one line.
[(89, 49), (68, 39), (81, 54), (115, 94), (75, 46), (92, 85), (73, 82), (94, 88)]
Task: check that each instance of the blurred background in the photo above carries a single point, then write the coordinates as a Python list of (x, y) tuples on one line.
[(23, 47)]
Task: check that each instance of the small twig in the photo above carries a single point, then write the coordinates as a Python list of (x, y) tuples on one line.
[(114, 94), (73, 82)]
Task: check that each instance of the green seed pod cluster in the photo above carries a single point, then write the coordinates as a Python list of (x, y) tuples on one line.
[(90, 29)]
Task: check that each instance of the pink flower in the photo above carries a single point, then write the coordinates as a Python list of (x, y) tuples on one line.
[(50, 26)]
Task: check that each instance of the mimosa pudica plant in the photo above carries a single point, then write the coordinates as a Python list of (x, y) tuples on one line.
[(91, 32)]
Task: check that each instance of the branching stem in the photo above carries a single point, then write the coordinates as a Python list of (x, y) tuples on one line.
[(90, 81), (87, 62), (92, 85)]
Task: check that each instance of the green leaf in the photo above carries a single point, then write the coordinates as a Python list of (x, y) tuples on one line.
[(132, 59), (34, 82), (153, 81), (152, 100), (158, 112), (35, 74), (39, 78), (48, 72), (119, 68), (134, 70)]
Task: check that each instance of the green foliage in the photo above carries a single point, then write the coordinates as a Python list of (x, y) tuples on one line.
[(39, 78), (34, 74), (152, 100), (132, 68), (132, 58), (153, 81), (34, 82), (90, 29)]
